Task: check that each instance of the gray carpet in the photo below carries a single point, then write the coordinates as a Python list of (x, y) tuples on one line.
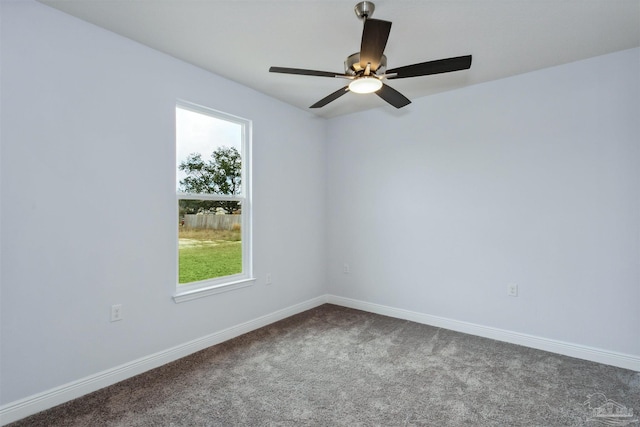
[(334, 366)]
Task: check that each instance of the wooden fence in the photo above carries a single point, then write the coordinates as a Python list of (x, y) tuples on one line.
[(217, 222)]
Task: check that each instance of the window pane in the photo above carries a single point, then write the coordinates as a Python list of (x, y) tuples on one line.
[(208, 154), (210, 241), (212, 229)]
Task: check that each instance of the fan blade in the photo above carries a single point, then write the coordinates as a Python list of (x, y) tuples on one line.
[(374, 40), (304, 72), (432, 67), (327, 99), (392, 96)]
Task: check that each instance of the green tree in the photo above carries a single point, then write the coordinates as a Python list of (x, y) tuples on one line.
[(221, 174)]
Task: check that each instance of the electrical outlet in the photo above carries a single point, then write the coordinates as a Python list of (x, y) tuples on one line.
[(346, 269), (116, 312), (512, 290), (267, 280)]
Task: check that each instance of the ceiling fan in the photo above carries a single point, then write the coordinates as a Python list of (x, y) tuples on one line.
[(367, 69)]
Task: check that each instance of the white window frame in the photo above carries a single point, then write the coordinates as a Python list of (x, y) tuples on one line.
[(203, 288)]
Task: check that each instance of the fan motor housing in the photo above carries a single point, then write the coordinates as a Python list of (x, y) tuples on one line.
[(352, 65)]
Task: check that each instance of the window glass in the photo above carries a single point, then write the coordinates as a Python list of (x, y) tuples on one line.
[(212, 196)]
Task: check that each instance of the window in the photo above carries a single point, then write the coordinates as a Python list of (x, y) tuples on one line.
[(213, 200)]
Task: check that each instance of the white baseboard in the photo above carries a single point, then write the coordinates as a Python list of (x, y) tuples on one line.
[(64, 393), (620, 360)]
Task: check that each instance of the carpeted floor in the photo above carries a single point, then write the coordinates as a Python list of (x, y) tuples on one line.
[(334, 366)]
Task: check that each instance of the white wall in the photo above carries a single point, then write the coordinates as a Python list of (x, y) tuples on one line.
[(532, 179), (88, 201)]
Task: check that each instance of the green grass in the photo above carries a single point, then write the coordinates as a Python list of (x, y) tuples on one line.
[(207, 254)]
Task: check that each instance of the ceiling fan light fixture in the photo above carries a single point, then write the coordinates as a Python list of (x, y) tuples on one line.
[(367, 69), (365, 85)]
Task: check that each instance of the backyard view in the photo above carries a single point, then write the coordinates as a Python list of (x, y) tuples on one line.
[(209, 186), (207, 253)]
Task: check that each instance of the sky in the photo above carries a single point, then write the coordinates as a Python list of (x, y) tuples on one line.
[(201, 133)]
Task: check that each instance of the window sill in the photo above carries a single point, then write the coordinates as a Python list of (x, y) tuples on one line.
[(212, 290)]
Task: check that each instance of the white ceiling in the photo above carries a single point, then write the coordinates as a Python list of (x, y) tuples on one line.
[(240, 40)]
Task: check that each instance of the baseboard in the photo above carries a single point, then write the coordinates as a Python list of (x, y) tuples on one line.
[(620, 360), (50, 398)]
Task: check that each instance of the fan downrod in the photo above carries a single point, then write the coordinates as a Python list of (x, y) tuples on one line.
[(364, 9)]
